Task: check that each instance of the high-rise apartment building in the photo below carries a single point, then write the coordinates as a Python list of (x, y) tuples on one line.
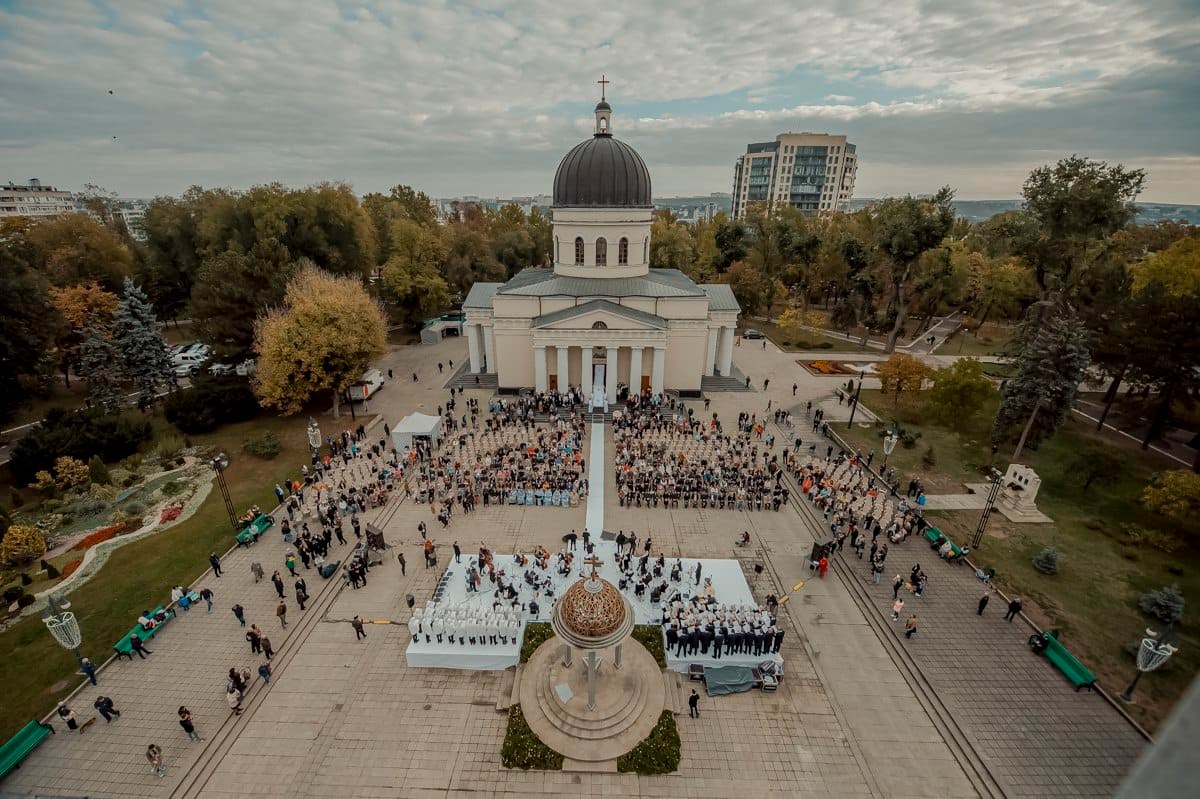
[(34, 199), (812, 172)]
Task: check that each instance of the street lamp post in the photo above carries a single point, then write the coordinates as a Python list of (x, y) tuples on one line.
[(854, 407), (1152, 654), (62, 625), (993, 491), (219, 464)]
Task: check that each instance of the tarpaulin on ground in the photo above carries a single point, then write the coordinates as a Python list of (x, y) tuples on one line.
[(728, 679)]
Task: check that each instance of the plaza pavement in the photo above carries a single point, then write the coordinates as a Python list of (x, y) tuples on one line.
[(853, 717)]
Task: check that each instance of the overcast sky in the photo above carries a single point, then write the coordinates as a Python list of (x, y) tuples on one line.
[(485, 96)]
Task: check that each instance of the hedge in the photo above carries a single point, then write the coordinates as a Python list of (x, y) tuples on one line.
[(536, 634), (651, 637), (210, 403), (79, 434)]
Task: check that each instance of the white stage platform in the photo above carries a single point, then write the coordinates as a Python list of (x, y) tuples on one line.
[(728, 582)]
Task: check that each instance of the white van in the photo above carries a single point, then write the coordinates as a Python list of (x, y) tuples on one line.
[(371, 381)]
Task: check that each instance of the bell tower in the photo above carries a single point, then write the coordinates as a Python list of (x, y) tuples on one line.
[(603, 111)]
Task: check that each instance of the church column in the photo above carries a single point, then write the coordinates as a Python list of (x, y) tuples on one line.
[(635, 370), (539, 368), (489, 349), (563, 365), (473, 347), (710, 360), (657, 372), (725, 362), (610, 376), (585, 372)]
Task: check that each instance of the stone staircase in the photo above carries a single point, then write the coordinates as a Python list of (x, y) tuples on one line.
[(722, 383), (465, 378)]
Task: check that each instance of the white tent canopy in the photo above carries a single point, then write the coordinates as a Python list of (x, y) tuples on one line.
[(416, 425)]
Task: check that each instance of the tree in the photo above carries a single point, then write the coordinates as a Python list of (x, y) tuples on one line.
[(1177, 268), (70, 472), (326, 334), (85, 305), (905, 228), (730, 238), (902, 373), (232, 289), (98, 472), (1074, 206), (670, 244), (1165, 604), (144, 353), (100, 365), (1047, 561), (958, 392), (794, 321), (748, 286), (1175, 495), (22, 545), (75, 248), (1097, 464), (413, 274), (27, 333), (172, 251), (1048, 373)]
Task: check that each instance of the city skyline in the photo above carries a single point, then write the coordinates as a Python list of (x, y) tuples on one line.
[(151, 98)]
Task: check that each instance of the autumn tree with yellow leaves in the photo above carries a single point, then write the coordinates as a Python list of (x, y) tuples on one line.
[(326, 334)]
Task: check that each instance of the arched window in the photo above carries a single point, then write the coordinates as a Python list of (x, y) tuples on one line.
[(623, 251), (557, 249), (579, 251), (646, 250), (601, 251), (599, 326)]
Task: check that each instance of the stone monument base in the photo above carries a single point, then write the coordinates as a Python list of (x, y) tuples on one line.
[(629, 701)]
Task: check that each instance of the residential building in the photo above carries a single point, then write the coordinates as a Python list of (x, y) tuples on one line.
[(133, 212), (813, 172), (34, 199)]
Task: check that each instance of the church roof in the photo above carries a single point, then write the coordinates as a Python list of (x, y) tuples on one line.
[(720, 297), (602, 172), (601, 305), (541, 282), (480, 295)]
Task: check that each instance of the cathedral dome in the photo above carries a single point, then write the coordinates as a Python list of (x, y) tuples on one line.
[(602, 172)]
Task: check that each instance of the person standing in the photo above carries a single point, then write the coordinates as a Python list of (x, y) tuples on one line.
[(264, 671), (257, 570), (403, 563), (357, 624), (207, 595), (233, 698), (239, 612), (457, 553), (1014, 607), (104, 705), (794, 387), (694, 705), (289, 562), (277, 580), (135, 643), (983, 600), (254, 636), (910, 626), (89, 669), (281, 612), (301, 593), (899, 581), (215, 562), (185, 721), (897, 606), (154, 755), (267, 650)]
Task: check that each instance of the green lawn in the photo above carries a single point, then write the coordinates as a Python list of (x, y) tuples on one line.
[(804, 341), (140, 575), (993, 339), (1093, 598)]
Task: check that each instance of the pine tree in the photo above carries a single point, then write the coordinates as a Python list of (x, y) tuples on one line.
[(100, 365), (143, 350), (1049, 369), (1047, 561)]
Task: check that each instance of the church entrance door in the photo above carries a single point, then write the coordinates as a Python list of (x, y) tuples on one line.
[(645, 383), (553, 382)]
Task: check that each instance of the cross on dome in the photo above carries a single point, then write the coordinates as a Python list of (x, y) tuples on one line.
[(603, 85)]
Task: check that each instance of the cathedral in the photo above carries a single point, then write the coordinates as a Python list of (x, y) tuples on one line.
[(601, 317)]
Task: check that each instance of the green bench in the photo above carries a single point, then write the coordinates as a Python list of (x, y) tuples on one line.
[(1056, 653), (252, 530), (18, 747), (124, 648), (933, 534)]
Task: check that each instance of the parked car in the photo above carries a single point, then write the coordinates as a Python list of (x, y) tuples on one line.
[(246, 367), (186, 369), (220, 369), (751, 333)]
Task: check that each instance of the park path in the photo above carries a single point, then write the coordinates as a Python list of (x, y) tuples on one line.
[(189, 666), (1035, 735)]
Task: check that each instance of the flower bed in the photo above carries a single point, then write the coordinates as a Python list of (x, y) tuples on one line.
[(103, 534), (658, 754), (522, 749), (70, 568), (826, 368)]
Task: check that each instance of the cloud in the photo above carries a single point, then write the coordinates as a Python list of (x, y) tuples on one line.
[(484, 96)]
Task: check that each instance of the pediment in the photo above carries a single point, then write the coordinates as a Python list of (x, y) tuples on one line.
[(599, 312)]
